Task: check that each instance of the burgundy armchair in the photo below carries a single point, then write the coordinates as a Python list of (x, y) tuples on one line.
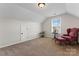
[(70, 37)]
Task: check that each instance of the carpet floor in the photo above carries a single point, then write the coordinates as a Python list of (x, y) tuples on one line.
[(40, 47)]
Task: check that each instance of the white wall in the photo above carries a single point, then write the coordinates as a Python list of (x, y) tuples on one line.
[(67, 20), (46, 26), (11, 29), (73, 8)]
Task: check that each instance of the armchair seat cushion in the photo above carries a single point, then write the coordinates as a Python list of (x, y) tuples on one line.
[(60, 40), (67, 37)]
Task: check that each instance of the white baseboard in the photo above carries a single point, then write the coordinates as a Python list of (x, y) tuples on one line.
[(19, 41)]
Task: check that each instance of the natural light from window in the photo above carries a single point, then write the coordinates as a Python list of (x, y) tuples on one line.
[(56, 25)]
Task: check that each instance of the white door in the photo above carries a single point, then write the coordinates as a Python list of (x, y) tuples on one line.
[(29, 31), (24, 32)]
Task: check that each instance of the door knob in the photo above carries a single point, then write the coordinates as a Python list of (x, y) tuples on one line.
[(21, 33)]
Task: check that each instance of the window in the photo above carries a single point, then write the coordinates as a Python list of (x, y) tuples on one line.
[(56, 25)]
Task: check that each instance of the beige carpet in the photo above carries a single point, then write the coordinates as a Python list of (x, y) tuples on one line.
[(39, 47)]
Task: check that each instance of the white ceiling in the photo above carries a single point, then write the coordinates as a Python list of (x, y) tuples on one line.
[(73, 8), (49, 10), (31, 12)]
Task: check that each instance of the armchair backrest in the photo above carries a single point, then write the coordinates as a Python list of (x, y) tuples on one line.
[(73, 32), (68, 31)]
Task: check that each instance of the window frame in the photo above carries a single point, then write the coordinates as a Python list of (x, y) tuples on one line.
[(59, 25)]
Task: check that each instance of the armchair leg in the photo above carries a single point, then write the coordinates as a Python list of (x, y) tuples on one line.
[(77, 42)]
